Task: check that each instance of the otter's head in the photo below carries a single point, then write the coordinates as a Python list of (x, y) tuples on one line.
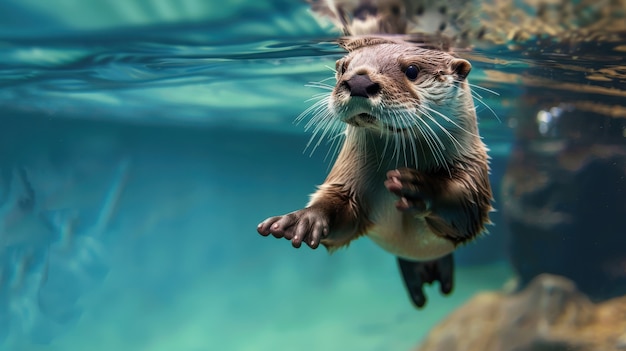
[(420, 97), (407, 95), (396, 87)]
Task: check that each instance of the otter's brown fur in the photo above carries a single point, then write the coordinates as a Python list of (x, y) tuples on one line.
[(424, 197)]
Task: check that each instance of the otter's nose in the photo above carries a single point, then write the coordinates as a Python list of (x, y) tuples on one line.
[(361, 85)]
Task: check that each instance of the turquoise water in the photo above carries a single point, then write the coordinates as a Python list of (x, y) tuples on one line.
[(140, 145)]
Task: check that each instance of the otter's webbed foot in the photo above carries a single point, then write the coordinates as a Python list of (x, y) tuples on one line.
[(416, 274), (407, 184), (308, 225)]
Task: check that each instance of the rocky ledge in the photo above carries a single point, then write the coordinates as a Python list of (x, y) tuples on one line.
[(550, 314)]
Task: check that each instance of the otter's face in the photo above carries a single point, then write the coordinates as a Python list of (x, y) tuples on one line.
[(414, 102), (400, 88)]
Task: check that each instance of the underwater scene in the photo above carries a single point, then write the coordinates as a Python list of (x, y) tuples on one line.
[(146, 145)]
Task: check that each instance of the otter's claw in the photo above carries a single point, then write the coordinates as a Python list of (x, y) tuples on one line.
[(306, 225), (407, 184)]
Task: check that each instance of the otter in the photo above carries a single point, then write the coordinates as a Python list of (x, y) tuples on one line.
[(412, 173)]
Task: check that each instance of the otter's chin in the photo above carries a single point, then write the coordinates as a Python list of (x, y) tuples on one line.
[(365, 120), (362, 120), (368, 121)]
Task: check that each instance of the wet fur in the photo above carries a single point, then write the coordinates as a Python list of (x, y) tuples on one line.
[(435, 172)]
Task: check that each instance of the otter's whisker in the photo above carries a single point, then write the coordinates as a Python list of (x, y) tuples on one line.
[(335, 141), (316, 97), (427, 139), (316, 136), (435, 135), (331, 69), (319, 85), (396, 141), (403, 140), (382, 135), (439, 146), (325, 126), (401, 120), (449, 120), (483, 88), (490, 109), (321, 120), (439, 156), (363, 143), (452, 138), (382, 155), (318, 112), (477, 97), (412, 136), (317, 123), (476, 86), (333, 136), (457, 145), (381, 110), (313, 109)]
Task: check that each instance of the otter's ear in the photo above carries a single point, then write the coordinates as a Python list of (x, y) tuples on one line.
[(354, 43), (461, 68)]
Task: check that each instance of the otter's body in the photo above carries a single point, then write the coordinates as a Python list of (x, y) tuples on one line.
[(412, 173), (371, 206)]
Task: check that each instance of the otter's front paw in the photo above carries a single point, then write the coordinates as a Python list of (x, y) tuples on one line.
[(307, 225), (408, 184)]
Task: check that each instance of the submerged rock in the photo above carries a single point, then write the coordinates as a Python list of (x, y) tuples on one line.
[(549, 315)]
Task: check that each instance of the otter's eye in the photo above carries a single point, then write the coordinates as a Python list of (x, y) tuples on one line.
[(411, 72), (341, 66)]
